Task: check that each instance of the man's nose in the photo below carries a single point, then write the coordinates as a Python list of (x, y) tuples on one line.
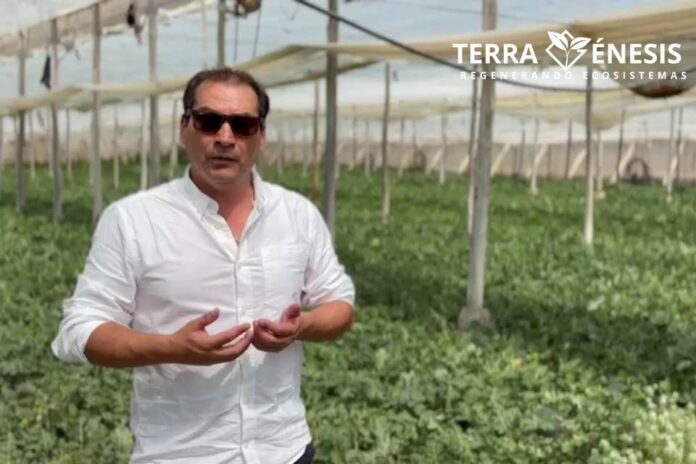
[(225, 134)]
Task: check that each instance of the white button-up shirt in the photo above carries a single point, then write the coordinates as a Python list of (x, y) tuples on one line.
[(162, 257)]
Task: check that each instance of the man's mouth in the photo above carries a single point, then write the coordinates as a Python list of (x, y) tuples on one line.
[(223, 159)]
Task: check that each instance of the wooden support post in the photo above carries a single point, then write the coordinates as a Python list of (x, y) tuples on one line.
[(97, 194), (339, 153), (236, 39), (115, 152), (402, 141), (679, 145), (2, 152), (315, 145), (473, 126), (624, 159), (579, 159), (434, 161), (385, 146), (47, 139), (368, 156), (222, 11), (143, 149), (68, 148), (306, 149), (154, 174), (670, 156), (464, 164), (533, 187), (204, 35), (519, 169), (355, 141), (20, 200), (589, 173), (295, 141), (55, 135), (329, 190), (280, 159), (535, 144), (471, 152), (173, 148), (32, 145), (443, 160), (678, 150), (499, 157), (619, 152), (569, 145), (474, 311), (414, 148), (599, 185)]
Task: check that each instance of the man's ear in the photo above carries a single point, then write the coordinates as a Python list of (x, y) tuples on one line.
[(182, 128), (262, 144)]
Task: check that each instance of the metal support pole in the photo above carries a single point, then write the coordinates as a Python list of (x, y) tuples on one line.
[(55, 135), (589, 172), (385, 146), (475, 312), (97, 195), (20, 200), (222, 9), (154, 174), (329, 193)]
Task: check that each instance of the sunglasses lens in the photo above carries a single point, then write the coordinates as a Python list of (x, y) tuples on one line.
[(244, 125), (207, 122), (210, 123)]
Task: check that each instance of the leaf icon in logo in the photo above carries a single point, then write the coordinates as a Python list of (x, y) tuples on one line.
[(579, 43), (558, 40)]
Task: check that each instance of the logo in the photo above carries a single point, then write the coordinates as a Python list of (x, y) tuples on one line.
[(571, 48), (647, 60)]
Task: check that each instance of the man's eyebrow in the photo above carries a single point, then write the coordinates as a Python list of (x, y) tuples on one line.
[(210, 110)]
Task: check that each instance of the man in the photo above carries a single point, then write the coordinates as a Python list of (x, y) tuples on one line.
[(198, 283)]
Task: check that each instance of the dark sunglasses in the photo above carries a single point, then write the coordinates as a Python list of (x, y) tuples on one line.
[(210, 122)]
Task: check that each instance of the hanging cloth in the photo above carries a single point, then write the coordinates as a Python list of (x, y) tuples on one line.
[(46, 74), (132, 21)]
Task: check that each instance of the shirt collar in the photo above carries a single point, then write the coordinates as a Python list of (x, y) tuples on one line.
[(203, 202)]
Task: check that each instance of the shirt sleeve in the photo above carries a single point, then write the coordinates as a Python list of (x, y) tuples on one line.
[(325, 278), (105, 290)]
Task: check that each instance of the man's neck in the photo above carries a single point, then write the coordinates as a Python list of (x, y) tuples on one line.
[(229, 197)]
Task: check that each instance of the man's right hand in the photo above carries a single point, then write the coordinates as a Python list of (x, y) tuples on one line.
[(193, 345)]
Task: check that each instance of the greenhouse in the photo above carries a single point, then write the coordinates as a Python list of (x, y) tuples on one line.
[(508, 188)]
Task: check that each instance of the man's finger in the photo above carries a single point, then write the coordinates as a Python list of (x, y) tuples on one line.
[(278, 329), (228, 353), (208, 318), (223, 338), (292, 312), (265, 341)]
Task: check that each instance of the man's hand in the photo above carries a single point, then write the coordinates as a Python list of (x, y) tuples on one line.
[(275, 336), (193, 345)]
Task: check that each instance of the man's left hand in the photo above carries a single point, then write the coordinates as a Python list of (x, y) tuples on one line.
[(274, 336)]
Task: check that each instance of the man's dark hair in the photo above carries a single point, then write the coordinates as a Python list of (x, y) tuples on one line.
[(229, 76)]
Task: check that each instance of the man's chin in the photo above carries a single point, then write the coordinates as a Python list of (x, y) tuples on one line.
[(225, 176)]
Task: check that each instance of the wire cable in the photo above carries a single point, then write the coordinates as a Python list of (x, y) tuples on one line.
[(435, 59), (469, 11)]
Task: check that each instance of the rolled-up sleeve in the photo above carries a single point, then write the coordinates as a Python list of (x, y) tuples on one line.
[(325, 278), (105, 290)]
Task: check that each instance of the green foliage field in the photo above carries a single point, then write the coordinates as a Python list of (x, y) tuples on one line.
[(592, 358)]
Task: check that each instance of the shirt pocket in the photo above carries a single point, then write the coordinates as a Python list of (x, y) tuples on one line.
[(284, 269)]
